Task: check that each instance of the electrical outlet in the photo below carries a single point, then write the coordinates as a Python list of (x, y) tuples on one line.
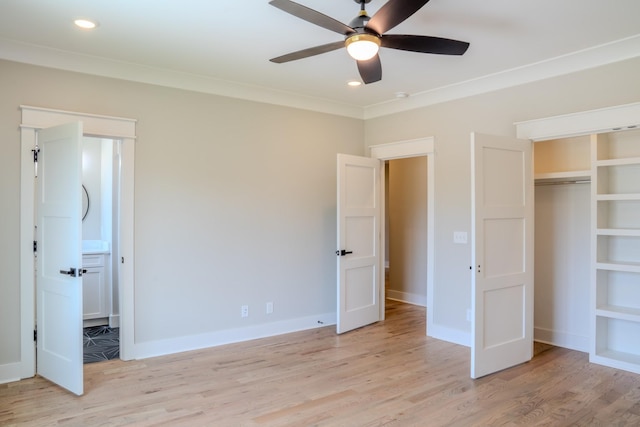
[(244, 311), (460, 237), (269, 308)]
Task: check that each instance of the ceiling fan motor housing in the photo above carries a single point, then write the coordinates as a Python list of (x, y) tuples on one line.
[(359, 23)]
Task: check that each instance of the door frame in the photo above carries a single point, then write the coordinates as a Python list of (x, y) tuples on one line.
[(116, 128), (402, 150)]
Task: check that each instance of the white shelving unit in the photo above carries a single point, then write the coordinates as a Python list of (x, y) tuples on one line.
[(615, 250)]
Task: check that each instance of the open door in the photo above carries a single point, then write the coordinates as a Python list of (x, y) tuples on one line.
[(59, 256), (359, 213), (502, 253)]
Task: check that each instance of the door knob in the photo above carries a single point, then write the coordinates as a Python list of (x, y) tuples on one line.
[(74, 272), (71, 272), (343, 252)]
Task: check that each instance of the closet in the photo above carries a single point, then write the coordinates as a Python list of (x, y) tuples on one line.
[(587, 258), (562, 173)]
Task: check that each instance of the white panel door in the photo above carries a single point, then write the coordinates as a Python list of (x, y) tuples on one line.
[(359, 212), (59, 257), (502, 253)]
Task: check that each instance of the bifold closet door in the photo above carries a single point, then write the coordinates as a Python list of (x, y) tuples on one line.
[(562, 257)]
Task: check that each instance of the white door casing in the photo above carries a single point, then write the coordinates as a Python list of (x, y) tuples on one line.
[(121, 129), (358, 225), (502, 253), (59, 256), (402, 150)]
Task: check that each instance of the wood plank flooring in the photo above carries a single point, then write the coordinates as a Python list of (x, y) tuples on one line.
[(388, 374)]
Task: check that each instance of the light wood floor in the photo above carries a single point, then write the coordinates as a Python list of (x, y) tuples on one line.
[(387, 374)]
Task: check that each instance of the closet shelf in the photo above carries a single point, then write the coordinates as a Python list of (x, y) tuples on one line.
[(580, 175), (619, 162), (630, 267), (627, 232), (618, 312), (629, 196), (627, 361)]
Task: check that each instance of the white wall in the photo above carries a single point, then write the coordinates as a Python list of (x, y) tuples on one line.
[(451, 123), (562, 265), (407, 234), (235, 204), (9, 234), (92, 181)]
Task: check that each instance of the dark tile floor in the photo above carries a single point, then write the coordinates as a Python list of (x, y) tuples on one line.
[(101, 343)]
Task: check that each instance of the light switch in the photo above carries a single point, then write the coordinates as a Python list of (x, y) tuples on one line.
[(460, 237)]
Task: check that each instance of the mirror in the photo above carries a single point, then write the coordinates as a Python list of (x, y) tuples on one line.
[(85, 202)]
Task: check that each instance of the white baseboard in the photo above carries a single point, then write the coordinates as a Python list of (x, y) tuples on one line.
[(102, 321), (114, 321), (10, 372), (455, 336), (572, 342), (561, 339), (407, 297), (229, 336)]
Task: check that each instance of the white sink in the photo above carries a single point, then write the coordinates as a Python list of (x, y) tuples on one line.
[(95, 247)]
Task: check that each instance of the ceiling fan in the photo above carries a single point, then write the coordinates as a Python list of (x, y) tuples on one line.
[(365, 35)]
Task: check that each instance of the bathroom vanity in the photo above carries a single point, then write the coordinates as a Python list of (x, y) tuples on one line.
[(96, 282)]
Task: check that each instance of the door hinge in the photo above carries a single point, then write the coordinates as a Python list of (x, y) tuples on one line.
[(35, 152), (35, 246), (35, 335)]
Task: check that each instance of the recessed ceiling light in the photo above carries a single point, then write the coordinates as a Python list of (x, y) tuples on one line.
[(354, 83), (86, 24), (402, 95)]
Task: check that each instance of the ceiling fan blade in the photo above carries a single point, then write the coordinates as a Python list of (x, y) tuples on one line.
[(370, 70), (393, 13), (305, 53), (312, 16), (424, 44)]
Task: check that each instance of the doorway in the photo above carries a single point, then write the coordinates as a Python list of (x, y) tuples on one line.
[(121, 129), (406, 230), (423, 147), (100, 219)]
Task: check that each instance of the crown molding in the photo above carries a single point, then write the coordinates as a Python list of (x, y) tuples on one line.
[(609, 119), (596, 56), (616, 51), (70, 61)]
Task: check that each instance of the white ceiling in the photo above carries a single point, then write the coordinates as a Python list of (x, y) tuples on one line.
[(224, 46)]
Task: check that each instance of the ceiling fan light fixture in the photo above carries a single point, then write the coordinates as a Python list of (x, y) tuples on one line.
[(362, 46)]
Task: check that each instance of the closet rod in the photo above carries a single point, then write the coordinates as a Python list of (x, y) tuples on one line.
[(576, 181)]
